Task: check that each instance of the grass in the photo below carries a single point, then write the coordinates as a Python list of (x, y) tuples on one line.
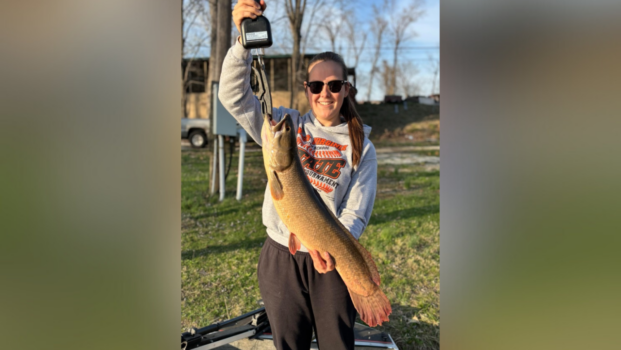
[(418, 125), (403, 237), (221, 242)]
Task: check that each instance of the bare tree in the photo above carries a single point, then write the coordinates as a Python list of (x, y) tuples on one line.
[(407, 83), (213, 42), (435, 66), (310, 32), (332, 22), (223, 42), (217, 22), (279, 21), (353, 36), (295, 13), (401, 20), (378, 29), (386, 72), (191, 44)]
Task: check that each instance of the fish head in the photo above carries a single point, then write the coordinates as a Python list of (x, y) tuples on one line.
[(279, 146)]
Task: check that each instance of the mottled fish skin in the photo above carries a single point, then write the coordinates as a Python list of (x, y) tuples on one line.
[(306, 215)]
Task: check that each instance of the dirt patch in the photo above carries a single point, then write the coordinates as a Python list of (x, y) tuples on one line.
[(426, 131)]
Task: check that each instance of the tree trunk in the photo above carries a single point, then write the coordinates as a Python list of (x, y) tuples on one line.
[(295, 62), (295, 13), (393, 71), (222, 32), (223, 36), (184, 112), (378, 32), (213, 33), (371, 74)]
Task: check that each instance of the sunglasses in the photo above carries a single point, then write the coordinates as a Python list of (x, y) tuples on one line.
[(334, 86)]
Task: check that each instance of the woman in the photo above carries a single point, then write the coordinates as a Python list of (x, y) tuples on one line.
[(301, 292)]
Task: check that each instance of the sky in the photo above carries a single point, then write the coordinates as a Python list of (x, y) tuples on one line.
[(418, 50), (422, 49)]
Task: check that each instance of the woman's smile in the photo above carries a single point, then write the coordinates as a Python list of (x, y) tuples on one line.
[(326, 105)]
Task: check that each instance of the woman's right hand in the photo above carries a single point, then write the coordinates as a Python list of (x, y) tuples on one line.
[(247, 9)]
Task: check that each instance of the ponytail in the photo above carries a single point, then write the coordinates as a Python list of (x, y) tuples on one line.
[(356, 133)]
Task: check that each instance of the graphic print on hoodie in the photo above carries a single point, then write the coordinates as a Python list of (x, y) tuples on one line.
[(322, 160)]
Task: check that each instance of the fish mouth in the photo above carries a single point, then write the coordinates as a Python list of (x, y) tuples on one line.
[(281, 142), (280, 129), (283, 125)]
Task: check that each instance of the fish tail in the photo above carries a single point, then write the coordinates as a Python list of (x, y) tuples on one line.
[(373, 309)]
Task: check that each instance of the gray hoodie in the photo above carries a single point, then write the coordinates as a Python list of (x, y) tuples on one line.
[(325, 152)]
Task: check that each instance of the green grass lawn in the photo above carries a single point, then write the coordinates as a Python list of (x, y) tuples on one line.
[(221, 242), (396, 129)]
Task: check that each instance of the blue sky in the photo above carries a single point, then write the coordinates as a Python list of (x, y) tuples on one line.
[(418, 50), (422, 49)]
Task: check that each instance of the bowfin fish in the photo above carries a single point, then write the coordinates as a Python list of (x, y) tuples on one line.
[(310, 221)]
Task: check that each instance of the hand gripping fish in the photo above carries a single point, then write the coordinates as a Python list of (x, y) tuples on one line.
[(311, 223)]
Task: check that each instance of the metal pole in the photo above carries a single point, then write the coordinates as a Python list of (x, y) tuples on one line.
[(221, 156), (214, 167), (242, 152)]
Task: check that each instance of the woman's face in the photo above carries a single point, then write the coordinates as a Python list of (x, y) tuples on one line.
[(326, 104)]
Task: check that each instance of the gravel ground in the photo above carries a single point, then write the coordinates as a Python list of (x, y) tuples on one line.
[(385, 155)]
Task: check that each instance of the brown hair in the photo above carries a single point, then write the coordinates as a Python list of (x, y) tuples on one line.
[(348, 109)]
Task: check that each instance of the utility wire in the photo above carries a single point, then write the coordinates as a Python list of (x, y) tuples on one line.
[(381, 48)]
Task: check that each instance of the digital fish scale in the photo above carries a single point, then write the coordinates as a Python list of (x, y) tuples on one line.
[(256, 33)]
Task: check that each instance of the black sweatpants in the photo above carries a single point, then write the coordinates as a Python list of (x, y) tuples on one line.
[(297, 299)]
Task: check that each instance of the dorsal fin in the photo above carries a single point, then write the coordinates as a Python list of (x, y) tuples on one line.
[(375, 276), (369, 260), (365, 254)]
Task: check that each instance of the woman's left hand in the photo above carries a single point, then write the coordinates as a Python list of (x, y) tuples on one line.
[(323, 263)]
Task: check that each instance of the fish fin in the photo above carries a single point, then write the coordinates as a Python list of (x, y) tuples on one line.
[(368, 259), (294, 243), (275, 186), (355, 287), (373, 309), (375, 276)]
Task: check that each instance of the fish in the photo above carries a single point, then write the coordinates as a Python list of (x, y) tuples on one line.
[(312, 223)]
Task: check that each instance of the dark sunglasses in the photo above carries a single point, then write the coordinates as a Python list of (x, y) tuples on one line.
[(334, 86)]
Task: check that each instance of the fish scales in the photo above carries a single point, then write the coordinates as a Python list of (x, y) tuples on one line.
[(316, 229), (309, 219)]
